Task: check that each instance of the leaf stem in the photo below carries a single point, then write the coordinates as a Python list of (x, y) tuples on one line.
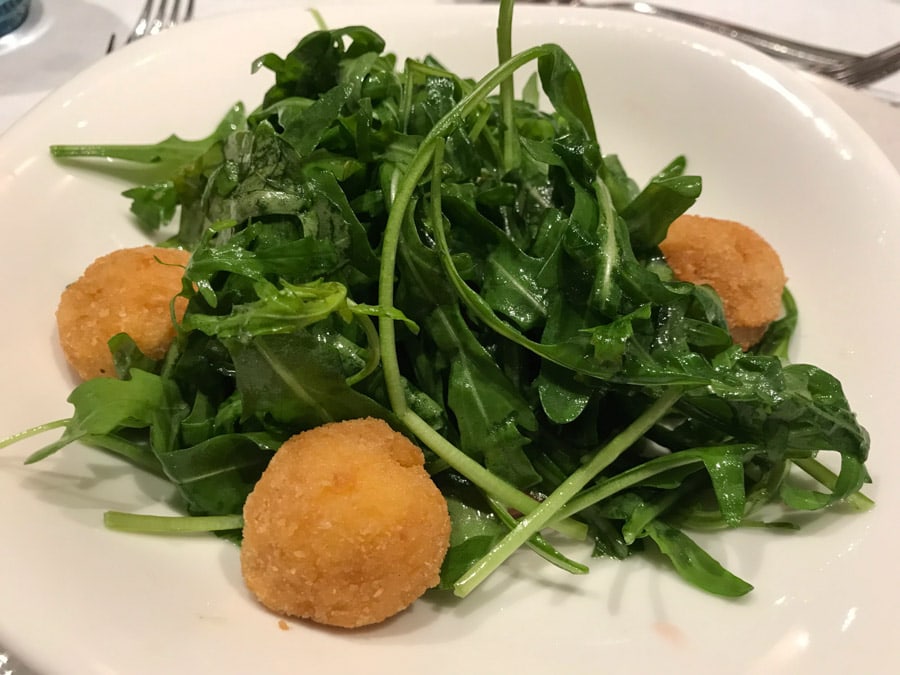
[(481, 477), (373, 350), (827, 477), (538, 544), (147, 524), (549, 508), (33, 431), (402, 200), (624, 480), (610, 245), (511, 148), (393, 378)]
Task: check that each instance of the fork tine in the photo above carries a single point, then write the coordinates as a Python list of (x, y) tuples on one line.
[(871, 68), (173, 17), (159, 20), (156, 17), (140, 27), (177, 16)]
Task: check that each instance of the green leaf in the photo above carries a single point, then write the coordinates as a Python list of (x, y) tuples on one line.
[(488, 408), (171, 151), (314, 65), (153, 205), (297, 382), (851, 478), (725, 465), (474, 529), (215, 476), (277, 311), (104, 406), (694, 564), (563, 84), (664, 199), (511, 286)]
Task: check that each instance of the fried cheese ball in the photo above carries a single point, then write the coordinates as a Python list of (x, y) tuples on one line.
[(345, 526), (737, 263), (126, 291)]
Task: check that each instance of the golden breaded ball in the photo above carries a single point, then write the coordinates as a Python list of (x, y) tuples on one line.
[(345, 526), (737, 262), (126, 291)]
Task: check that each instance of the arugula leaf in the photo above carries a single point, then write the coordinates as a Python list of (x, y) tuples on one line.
[(292, 380), (695, 564), (104, 406), (171, 151)]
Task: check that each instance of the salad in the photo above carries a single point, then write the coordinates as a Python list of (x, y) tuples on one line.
[(378, 239)]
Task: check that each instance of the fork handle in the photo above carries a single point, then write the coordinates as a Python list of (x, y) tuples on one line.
[(801, 53), (777, 46)]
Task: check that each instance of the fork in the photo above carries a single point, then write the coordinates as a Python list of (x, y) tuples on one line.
[(854, 70), (156, 17), (866, 69), (851, 69)]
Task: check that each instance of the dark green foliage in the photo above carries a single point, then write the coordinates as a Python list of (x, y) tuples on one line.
[(524, 316)]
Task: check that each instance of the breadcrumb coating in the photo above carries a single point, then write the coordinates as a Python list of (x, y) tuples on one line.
[(345, 526), (126, 291), (737, 263)]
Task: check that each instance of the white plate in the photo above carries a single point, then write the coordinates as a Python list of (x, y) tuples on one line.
[(774, 153)]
